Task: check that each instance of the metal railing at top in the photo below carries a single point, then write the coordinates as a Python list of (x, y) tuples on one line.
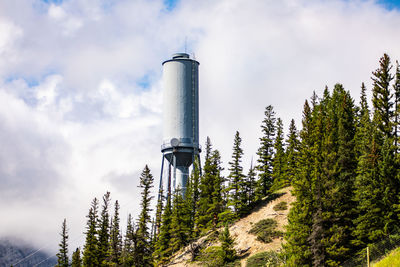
[(182, 144)]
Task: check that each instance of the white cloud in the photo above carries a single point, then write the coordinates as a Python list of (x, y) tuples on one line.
[(77, 119), (56, 12), (8, 34)]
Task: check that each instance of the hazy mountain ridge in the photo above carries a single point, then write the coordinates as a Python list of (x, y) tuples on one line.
[(13, 252)]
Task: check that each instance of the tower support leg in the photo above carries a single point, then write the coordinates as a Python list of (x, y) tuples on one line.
[(174, 165)]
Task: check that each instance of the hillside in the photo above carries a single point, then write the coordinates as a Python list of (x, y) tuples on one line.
[(393, 259), (246, 242), (24, 255)]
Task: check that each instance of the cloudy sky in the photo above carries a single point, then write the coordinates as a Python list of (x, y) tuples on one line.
[(81, 95)]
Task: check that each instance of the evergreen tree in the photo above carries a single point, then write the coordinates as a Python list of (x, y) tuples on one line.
[(180, 220), (279, 161), (396, 87), (237, 194), (163, 249), (227, 243), (339, 169), (363, 130), (218, 208), (377, 182), (366, 157), (388, 172), (204, 218), (292, 153), (250, 185), (90, 250), (104, 230), (368, 195), (76, 258), (382, 96), (317, 247), (159, 210), (265, 154), (212, 208), (115, 246), (321, 220), (322, 146), (192, 197), (385, 121), (62, 255), (143, 253), (300, 216), (127, 256)]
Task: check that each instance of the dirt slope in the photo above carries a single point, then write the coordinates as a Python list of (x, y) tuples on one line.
[(244, 240)]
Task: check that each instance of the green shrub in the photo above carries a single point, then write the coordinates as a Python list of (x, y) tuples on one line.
[(212, 256), (265, 230), (224, 255), (281, 206), (264, 259), (213, 236)]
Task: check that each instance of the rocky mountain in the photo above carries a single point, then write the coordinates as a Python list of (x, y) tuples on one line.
[(18, 254)]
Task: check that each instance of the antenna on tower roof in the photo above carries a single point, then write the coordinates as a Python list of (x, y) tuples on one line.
[(185, 44)]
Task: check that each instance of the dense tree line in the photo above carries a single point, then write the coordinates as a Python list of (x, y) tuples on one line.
[(343, 167), (347, 179)]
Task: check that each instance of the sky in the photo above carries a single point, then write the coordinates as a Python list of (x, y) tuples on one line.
[(81, 90)]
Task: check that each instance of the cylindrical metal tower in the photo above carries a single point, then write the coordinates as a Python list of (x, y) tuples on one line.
[(181, 116)]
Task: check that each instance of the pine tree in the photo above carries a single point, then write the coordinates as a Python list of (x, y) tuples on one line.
[(218, 208), (321, 220), (300, 216), (396, 87), (368, 194), (385, 120), (250, 185), (104, 230), (363, 130), (237, 194), (377, 183), (159, 210), (76, 258), (180, 221), (339, 170), (322, 146), (212, 208), (382, 96), (143, 254), (62, 255), (90, 250), (227, 243), (292, 153), (265, 154), (192, 197), (204, 218), (115, 246), (163, 249), (317, 235), (388, 172), (127, 256), (279, 161)]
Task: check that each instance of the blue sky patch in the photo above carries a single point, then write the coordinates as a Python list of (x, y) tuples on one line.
[(170, 4), (57, 2), (390, 4), (144, 82)]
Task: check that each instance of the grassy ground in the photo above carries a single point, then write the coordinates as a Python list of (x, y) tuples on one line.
[(393, 259)]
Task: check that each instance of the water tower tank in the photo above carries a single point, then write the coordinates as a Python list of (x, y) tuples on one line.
[(181, 115)]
